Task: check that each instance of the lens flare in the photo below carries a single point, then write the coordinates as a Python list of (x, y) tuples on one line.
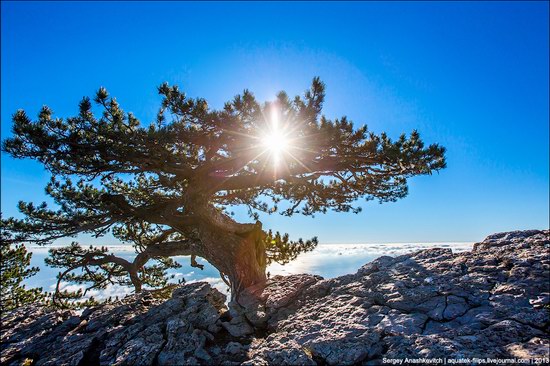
[(275, 142)]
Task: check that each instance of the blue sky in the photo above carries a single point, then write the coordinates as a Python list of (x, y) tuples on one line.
[(470, 76)]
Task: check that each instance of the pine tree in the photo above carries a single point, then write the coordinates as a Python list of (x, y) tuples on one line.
[(14, 269), (168, 187)]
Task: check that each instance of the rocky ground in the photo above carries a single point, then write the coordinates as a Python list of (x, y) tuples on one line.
[(492, 302)]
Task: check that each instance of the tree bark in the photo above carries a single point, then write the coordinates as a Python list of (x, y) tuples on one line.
[(237, 251)]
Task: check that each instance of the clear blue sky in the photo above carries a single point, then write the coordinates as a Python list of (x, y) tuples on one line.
[(471, 76)]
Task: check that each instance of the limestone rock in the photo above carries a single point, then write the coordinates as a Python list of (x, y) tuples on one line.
[(139, 329), (238, 327), (491, 302)]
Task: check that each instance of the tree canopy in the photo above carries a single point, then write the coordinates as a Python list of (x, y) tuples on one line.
[(168, 187)]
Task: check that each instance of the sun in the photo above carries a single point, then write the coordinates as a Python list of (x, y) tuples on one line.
[(275, 142)]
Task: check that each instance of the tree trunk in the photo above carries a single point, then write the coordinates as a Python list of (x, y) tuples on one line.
[(239, 257), (237, 251), (134, 277)]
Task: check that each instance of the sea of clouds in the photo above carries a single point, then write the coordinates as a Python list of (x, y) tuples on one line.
[(327, 260)]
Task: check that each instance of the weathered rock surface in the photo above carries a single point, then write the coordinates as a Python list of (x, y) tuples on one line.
[(138, 330), (491, 302)]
